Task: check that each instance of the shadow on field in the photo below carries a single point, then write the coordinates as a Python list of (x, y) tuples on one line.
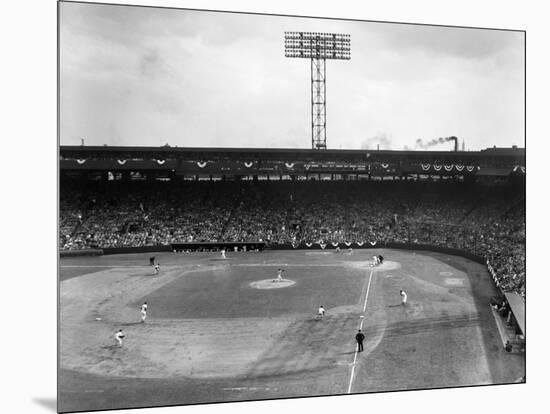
[(347, 353), (113, 347), (48, 403), (130, 323)]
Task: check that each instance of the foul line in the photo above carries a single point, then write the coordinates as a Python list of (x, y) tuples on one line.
[(360, 327)]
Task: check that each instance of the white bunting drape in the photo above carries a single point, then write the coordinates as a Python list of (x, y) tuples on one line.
[(121, 162), (201, 164)]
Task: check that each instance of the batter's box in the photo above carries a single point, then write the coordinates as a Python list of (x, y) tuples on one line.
[(452, 281)]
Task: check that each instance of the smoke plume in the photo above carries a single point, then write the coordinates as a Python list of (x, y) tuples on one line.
[(423, 145), (380, 139)]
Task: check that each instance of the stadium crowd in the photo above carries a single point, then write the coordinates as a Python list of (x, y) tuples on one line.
[(487, 221)]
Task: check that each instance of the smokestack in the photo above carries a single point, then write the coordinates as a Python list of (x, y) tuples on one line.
[(455, 139)]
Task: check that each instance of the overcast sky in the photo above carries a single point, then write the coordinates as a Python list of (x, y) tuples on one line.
[(148, 76)]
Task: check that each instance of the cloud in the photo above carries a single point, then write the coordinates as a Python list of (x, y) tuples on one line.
[(192, 78)]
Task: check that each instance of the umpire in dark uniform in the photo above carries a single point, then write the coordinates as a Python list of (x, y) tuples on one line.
[(359, 338)]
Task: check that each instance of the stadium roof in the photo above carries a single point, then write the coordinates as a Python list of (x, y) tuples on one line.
[(509, 156)]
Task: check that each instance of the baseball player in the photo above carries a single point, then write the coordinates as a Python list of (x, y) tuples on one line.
[(321, 312), (359, 338), (152, 261), (118, 336), (279, 275), (403, 297), (157, 268), (223, 254), (143, 312), (375, 260)]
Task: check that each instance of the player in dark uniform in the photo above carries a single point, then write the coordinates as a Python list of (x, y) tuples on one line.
[(359, 338), (380, 259), (152, 261)]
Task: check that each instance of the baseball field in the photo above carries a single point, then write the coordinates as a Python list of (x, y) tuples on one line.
[(224, 330)]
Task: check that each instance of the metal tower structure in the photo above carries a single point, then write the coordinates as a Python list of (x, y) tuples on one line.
[(318, 47)]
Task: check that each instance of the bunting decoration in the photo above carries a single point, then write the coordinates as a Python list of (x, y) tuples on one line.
[(437, 167), (121, 162), (248, 164), (160, 162), (347, 244), (81, 161), (360, 243), (308, 244), (323, 245), (373, 243), (425, 167), (384, 166), (201, 164), (289, 164), (448, 167), (334, 244), (470, 168), (459, 167)]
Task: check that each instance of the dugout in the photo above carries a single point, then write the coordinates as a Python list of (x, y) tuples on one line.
[(516, 316)]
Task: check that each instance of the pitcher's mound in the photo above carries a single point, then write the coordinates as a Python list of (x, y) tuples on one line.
[(272, 284)]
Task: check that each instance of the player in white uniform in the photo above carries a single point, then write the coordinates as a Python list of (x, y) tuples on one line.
[(223, 254), (118, 336), (157, 269), (321, 312), (143, 312), (375, 260), (279, 275), (403, 297)]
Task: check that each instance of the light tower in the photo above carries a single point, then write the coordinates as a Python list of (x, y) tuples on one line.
[(318, 47)]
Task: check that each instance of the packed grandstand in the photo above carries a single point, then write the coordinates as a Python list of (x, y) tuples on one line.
[(483, 217)]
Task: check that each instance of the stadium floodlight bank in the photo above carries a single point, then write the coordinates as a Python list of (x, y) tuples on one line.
[(318, 47)]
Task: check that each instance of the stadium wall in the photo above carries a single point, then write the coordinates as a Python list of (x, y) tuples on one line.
[(83, 252)]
